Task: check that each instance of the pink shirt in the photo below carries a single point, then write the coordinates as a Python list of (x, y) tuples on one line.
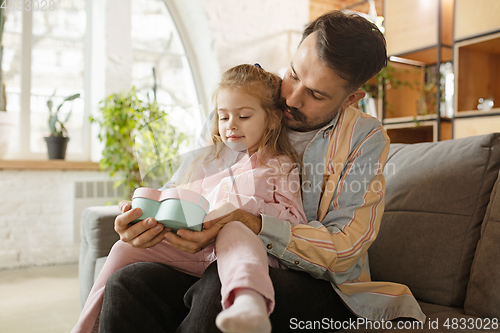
[(270, 189)]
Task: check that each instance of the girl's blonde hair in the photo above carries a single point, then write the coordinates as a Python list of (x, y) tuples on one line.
[(266, 88)]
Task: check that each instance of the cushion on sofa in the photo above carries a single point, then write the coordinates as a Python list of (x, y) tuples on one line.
[(437, 194), (97, 237), (483, 294)]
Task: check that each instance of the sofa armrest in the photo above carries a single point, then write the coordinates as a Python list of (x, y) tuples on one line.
[(97, 238)]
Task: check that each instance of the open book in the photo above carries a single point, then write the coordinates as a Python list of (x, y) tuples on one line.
[(175, 208)]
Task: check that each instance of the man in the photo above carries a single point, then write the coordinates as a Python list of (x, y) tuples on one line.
[(344, 152)]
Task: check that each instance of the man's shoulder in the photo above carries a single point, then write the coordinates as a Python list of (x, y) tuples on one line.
[(362, 127), (363, 119)]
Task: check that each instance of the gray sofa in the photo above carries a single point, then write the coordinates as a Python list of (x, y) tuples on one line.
[(440, 234)]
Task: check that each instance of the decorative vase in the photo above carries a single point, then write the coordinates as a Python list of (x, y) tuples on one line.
[(56, 147)]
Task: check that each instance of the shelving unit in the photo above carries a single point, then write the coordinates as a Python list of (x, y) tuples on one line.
[(422, 35), (477, 73), (419, 37)]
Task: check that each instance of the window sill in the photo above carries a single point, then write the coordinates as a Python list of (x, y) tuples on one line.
[(47, 165)]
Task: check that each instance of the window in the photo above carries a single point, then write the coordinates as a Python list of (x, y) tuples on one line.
[(46, 60), (156, 44), (50, 52)]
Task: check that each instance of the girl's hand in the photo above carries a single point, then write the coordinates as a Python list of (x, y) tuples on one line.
[(144, 234), (194, 241)]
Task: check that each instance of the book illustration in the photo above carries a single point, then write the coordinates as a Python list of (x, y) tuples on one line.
[(175, 208)]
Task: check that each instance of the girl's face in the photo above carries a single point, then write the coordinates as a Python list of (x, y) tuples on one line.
[(241, 119)]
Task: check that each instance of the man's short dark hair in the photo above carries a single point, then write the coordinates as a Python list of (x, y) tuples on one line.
[(350, 45)]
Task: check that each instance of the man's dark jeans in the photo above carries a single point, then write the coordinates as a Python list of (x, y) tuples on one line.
[(150, 297)]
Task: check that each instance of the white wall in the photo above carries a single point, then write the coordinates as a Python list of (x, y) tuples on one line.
[(36, 219), (250, 31), (37, 216)]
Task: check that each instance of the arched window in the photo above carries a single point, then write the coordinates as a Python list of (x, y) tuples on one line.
[(67, 49), (156, 44), (43, 57)]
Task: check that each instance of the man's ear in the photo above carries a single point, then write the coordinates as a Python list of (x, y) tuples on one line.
[(353, 98)]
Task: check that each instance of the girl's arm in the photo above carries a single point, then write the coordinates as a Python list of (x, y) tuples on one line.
[(276, 192)]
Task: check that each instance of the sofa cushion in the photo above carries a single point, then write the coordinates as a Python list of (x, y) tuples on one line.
[(483, 294), (436, 198), (97, 237)]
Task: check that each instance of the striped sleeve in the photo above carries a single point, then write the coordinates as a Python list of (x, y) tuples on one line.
[(350, 211)]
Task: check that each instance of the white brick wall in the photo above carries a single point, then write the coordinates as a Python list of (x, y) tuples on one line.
[(36, 216)]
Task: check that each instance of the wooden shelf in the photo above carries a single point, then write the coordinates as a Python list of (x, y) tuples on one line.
[(413, 25), (419, 36), (428, 56), (402, 101), (477, 71), (477, 113), (424, 33), (473, 18), (399, 120), (47, 165), (464, 127), (419, 131)]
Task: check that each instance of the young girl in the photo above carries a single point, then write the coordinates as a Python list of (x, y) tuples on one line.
[(265, 181)]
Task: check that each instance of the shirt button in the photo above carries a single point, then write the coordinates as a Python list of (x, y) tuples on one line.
[(270, 246), (225, 187), (296, 262)]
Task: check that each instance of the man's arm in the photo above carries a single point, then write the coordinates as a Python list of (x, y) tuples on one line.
[(144, 234), (330, 249)]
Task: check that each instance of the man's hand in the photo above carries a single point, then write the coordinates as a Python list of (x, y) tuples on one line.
[(144, 234), (194, 241)]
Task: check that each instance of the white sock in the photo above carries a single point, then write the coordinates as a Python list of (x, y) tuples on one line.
[(248, 314)]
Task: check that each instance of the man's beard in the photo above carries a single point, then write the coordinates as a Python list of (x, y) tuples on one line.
[(297, 115), (299, 122)]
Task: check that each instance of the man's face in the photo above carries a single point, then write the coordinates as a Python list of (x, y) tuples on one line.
[(313, 92)]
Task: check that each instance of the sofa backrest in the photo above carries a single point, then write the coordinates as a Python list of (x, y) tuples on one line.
[(436, 199), (483, 292)]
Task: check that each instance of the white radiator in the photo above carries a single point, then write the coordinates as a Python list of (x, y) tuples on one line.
[(92, 193)]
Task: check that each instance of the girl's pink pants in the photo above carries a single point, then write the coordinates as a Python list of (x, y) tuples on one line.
[(242, 262)]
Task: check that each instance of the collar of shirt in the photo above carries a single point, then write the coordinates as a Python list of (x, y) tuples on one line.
[(324, 132)]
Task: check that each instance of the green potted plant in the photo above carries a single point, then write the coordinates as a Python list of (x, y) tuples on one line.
[(136, 131), (57, 142)]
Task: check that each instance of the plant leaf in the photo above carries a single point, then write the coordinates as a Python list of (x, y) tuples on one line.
[(52, 124), (72, 97), (67, 117)]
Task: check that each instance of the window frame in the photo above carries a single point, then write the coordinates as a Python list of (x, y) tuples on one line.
[(198, 45)]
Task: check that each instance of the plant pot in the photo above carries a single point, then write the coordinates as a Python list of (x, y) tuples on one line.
[(7, 124), (56, 146)]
